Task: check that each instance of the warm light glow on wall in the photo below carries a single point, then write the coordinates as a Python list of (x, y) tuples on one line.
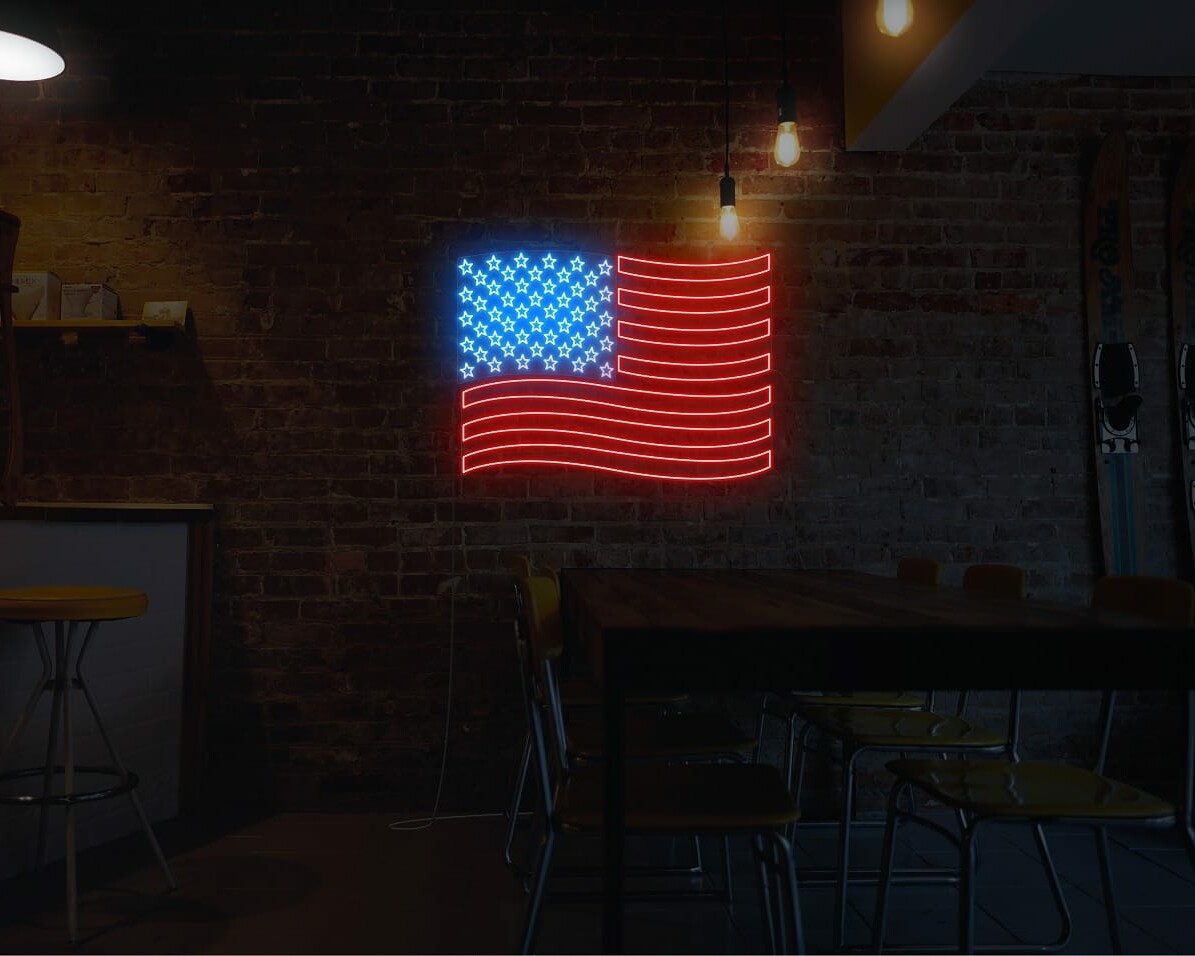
[(652, 370), (894, 17)]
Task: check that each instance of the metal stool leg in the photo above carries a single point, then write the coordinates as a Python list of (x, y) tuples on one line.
[(68, 784), (133, 796), (60, 678), (47, 673)]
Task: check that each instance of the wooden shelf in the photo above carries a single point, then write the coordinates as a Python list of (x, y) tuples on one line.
[(111, 325), (154, 333)]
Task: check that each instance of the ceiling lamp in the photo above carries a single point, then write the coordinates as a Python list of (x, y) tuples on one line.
[(788, 148), (894, 17), (28, 46), (728, 219)]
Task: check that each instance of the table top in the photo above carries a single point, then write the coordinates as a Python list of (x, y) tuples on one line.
[(787, 629)]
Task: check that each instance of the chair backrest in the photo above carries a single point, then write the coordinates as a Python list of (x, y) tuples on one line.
[(541, 603), (1000, 580), (1167, 600), (919, 571)]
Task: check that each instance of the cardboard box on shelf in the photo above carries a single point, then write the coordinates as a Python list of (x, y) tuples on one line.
[(174, 311), (89, 300), (38, 296)]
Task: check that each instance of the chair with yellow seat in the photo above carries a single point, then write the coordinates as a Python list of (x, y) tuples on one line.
[(865, 730), (651, 736), (670, 796), (924, 572), (1041, 791), (67, 608)]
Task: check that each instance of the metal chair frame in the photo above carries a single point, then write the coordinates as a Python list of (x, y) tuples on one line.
[(974, 821), (773, 851)]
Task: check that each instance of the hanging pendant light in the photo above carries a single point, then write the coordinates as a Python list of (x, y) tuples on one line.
[(894, 17), (28, 45), (728, 218), (788, 147)]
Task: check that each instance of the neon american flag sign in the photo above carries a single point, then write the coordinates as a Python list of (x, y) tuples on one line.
[(632, 366)]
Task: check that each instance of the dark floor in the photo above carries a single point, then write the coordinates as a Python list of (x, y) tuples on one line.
[(337, 883)]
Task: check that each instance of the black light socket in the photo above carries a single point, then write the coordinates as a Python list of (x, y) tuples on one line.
[(726, 185), (786, 105)]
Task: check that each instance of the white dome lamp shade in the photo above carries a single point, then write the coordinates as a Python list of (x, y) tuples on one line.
[(28, 46)]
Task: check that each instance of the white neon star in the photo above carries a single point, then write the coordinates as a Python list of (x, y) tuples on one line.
[(535, 299), (550, 363), (523, 362), (549, 286), (508, 273), (508, 324), (578, 365), (466, 294), (607, 345), (537, 325), (577, 264), (549, 261), (465, 266), (508, 300), (592, 330), (494, 263), (466, 370), (521, 261), (604, 267), (607, 370), (607, 295), (536, 273), (606, 317), (591, 278), (590, 355), (521, 311), (537, 350), (495, 364), (591, 303), (507, 349), (522, 337), (521, 285)]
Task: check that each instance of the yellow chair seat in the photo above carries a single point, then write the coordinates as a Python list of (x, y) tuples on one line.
[(683, 797), (673, 735), (1031, 788), (71, 603), (900, 729)]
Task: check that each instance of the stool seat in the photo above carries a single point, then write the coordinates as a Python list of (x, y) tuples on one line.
[(71, 602)]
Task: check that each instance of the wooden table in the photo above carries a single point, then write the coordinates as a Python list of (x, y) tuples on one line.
[(743, 630)]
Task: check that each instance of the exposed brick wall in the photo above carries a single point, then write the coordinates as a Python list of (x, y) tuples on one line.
[(305, 179)]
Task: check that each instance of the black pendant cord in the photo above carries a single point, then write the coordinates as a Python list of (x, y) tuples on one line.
[(726, 88), (783, 48)]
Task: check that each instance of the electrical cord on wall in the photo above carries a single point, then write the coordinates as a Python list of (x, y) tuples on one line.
[(450, 586)]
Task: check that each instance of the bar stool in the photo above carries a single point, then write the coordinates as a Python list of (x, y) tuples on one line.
[(67, 607)]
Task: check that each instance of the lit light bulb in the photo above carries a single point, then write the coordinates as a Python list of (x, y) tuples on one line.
[(894, 17), (728, 223), (728, 219), (788, 147)]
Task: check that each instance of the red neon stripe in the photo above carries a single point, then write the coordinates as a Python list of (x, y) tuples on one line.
[(587, 386), (693, 371), (656, 269), (728, 474), (530, 432), (762, 298), (765, 423), (719, 343)]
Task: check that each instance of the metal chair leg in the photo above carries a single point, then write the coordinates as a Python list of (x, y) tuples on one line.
[(765, 893), (887, 856), (68, 769), (47, 672), (788, 869), (535, 903), (1064, 914), (844, 846), (1101, 842), (966, 892), (516, 803)]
